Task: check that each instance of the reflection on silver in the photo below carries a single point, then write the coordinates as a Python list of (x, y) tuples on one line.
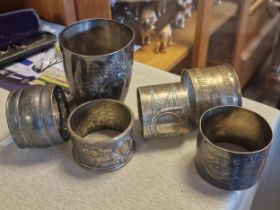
[(37, 116), (101, 155), (232, 147), (97, 57)]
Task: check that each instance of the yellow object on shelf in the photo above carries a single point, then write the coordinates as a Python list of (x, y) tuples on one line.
[(183, 39)]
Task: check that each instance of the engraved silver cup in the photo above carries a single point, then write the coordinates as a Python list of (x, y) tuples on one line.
[(37, 116), (232, 147), (211, 86), (97, 57)]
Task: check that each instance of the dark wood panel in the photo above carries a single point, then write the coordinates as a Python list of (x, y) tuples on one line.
[(58, 11), (11, 5), (93, 9)]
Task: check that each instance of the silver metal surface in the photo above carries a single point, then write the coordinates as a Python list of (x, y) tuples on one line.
[(174, 109), (37, 116), (164, 110), (98, 154), (97, 57), (232, 147), (211, 86)]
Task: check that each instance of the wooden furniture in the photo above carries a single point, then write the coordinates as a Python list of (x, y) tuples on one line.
[(59, 11), (238, 32), (195, 33), (62, 11), (10, 5), (247, 40), (202, 33), (256, 38), (93, 9), (193, 38)]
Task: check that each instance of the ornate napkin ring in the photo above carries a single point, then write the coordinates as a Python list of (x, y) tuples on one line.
[(37, 116), (232, 147), (174, 109), (92, 152), (164, 110), (212, 86)]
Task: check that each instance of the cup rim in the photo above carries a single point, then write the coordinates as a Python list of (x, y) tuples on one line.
[(233, 151), (109, 141), (96, 19)]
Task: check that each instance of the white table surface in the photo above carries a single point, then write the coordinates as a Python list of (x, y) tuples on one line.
[(161, 175)]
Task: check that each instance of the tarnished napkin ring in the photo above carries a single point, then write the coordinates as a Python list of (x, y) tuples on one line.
[(174, 109), (96, 154), (212, 86), (232, 147), (37, 116), (164, 110)]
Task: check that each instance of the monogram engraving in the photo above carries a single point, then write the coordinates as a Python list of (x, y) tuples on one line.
[(167, 112)]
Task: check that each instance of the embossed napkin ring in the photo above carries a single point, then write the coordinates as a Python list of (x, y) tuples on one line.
[(232, 147), (164, 110), (211, 86), (37, 116), (96, 154)]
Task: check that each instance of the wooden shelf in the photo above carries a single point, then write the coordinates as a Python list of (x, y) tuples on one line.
[(184, 39)]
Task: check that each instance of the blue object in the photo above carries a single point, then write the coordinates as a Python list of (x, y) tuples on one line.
[(25, 62)]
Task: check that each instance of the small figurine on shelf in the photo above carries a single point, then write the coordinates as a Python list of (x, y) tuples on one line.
[(185, 9), (164, 39), (147, 21), (188, 8), (180, 19), (161, 7), (180, 16)]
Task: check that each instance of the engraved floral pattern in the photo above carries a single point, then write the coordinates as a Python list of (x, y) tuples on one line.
[(106, 156), (104, 77)]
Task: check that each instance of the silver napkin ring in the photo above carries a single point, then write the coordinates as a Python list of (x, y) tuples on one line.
[(37, 116), (164, 110), (174, 109), (212, 86), (102, 155), (232, 147)]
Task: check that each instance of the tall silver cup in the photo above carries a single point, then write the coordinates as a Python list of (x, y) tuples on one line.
[(97, 57)]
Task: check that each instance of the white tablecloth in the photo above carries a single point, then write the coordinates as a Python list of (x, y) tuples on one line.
[(161, 175)]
